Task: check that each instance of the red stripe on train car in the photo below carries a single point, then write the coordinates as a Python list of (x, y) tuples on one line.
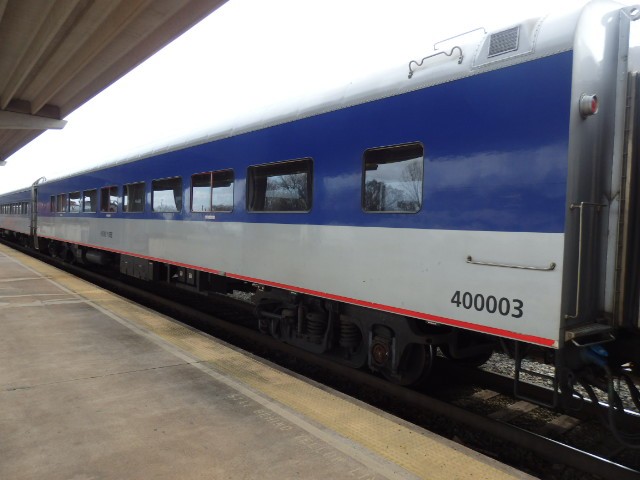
[(546, 342)]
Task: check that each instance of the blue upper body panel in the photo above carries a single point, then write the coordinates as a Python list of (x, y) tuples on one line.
[(17, 196), (495, 156)]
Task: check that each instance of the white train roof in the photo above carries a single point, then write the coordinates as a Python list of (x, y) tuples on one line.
[(465, 55)]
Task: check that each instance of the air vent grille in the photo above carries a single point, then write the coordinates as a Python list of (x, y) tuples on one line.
[(503, 42)]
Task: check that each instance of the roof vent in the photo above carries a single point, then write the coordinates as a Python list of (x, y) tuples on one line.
[(503, 42)]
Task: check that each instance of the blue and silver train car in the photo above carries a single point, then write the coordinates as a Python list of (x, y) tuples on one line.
[(484, 194), (15, 214)]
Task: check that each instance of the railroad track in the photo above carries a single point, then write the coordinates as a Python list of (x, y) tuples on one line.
[(475, 409)]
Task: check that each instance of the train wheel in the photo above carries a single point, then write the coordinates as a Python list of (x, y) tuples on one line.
[(415, 365)]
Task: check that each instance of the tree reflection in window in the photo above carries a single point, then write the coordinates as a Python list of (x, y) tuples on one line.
[(280, 187), (393, 178)]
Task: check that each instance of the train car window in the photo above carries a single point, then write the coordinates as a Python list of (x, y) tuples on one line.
[(74, 202), (222, 191), (212, 191), (61, 202), (166, 195), (90, 201), (133, 198), (109, 199), (52, 203), (393, 179), (280, 187), (201, 192)]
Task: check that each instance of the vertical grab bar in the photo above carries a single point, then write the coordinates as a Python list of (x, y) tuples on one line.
[(581, 206)]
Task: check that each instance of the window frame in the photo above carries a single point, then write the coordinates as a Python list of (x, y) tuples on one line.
[(363, 204), (108, 189), (212, 175), (250, 184), (94, 204), (69, 202), (153, 191), (126, 208), (65, 203)]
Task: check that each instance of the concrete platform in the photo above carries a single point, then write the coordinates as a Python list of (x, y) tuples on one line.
[(95, 387)]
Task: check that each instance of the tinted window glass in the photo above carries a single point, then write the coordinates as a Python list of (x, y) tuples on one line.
[(280, 187), (133, 198), (61, 202), (222, 195), (212, 191), (74, 202), (201, 192), (109, 199), (89, 201), (393, 178), (167, 195)]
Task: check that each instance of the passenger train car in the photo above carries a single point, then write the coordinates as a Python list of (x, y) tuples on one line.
[(15, 214), (483, 196)]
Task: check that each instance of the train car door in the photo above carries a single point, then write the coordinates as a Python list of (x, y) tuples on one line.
[(33, 223)]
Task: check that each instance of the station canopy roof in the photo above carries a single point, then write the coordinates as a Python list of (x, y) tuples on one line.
[(57, 54)]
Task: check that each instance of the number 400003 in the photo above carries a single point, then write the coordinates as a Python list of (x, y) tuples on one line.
[(488, 303)]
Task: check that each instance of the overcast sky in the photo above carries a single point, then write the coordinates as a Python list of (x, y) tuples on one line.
[(249, 54)]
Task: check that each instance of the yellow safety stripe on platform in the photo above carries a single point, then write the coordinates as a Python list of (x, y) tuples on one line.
[(420, 452)]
